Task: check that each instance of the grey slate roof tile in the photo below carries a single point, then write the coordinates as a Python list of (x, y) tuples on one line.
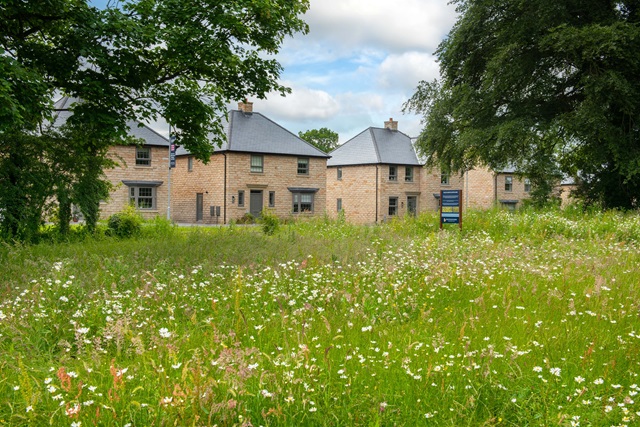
[(144, 132), (375, 146), (255, 133)]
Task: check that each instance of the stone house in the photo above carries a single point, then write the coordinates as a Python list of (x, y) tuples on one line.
[(141, 176), (375, 176), (141, 173), (259, 166)]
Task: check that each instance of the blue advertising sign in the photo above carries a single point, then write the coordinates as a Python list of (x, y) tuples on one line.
[(172, 152), (450, 197), (451, 207)]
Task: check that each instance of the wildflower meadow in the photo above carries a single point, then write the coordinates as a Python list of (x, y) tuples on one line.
[(520, 319)]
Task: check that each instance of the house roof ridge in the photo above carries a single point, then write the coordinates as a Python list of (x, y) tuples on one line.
[(375, 144), (230, 121), (66, 100)]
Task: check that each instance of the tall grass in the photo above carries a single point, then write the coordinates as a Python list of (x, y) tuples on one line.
[(520, 319)]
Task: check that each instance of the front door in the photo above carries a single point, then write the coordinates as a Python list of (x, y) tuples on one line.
[(255, 203), (199, 206), (412, 205)]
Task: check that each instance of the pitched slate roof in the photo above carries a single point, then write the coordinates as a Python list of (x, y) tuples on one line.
[(150, 137), (255, 133), (375, 146)]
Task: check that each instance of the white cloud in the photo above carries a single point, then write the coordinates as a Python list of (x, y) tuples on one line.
[(395, 26), (303, 104), (403, 72)]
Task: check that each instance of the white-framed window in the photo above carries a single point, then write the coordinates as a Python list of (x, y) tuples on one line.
[(339, 174), (143, 156), (143, 197), (241, 198), (408, 173), (393, 206), (272, 199), (393, 173), (338, 205), (302, 202), (190, 164), (508, 183), (527, 185), (303, 166), (444, 179), (257, 163)]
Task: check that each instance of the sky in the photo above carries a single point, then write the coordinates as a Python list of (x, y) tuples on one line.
[(360, 61)]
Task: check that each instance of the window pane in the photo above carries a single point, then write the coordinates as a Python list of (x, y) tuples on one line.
[(145, 203), (408, 174), (145, 192), (143, 156), (393, 206), (256, 163), (508, 183), (303, 166), (339, 173), (393, 173), (302, 202)]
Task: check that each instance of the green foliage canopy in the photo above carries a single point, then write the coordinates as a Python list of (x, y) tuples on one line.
[(141, 59), (324, 139), (135, 60), (539, 83)]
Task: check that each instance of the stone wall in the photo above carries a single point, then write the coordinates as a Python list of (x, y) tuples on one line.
[(517, 192), (125, 156), (357, 189), (186, 184), (400, 188), (279, 174), (479, 189), (432, 184)]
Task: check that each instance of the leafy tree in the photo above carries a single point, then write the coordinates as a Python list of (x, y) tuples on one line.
[(323, 138), (135, 60), (538, 83)]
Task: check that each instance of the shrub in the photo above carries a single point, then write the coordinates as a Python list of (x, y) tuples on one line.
[(246, 219), (270, 222), (127, 223)]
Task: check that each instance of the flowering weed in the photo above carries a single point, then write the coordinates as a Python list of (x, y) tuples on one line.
[(325, 323)]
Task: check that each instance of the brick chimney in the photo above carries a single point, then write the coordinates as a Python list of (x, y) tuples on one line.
[(246, 106), (391, 124)]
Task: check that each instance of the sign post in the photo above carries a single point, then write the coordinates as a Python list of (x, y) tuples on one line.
[(451, 207), (172, 164)]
